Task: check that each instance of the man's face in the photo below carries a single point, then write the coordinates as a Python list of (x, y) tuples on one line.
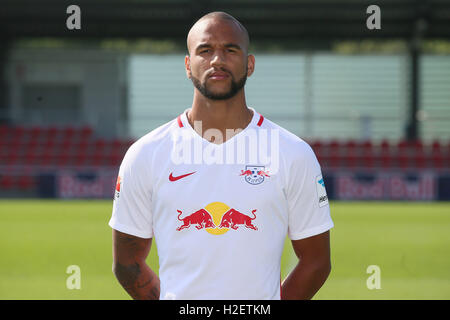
[(218, 64)]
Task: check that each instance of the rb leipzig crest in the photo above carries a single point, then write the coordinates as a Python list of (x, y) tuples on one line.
[(254, 174)]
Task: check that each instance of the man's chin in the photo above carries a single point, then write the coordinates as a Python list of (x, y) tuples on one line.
[(217, 94), (220, 90)]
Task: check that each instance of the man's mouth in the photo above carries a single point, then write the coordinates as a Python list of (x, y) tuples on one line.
[(218, 75)]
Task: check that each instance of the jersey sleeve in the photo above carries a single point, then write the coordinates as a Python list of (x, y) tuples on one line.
[(132, 212), (309, 210)]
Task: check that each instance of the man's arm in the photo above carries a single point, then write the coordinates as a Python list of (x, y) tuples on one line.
[(130, 268), (311, 271)]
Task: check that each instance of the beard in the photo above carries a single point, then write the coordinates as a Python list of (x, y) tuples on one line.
[(235, 87)]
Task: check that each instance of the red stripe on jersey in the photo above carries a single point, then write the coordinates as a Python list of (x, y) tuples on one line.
[(261, 119), (179, 121)]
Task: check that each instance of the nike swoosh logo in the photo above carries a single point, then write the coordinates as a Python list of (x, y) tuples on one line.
[(172, 178)]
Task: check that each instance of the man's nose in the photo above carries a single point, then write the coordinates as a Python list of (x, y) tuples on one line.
[(218, 59)]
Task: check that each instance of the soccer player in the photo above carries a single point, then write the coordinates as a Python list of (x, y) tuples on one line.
[(219, 188)]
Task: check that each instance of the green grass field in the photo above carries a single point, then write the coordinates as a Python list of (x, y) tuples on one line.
[(410, 243)]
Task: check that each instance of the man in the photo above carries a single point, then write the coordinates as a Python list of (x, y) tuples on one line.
[(220, 225)]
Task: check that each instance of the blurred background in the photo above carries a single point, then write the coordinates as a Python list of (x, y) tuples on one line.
[(374, 104)]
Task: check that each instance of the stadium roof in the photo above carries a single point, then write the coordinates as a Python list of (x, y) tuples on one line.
[(294, 20)]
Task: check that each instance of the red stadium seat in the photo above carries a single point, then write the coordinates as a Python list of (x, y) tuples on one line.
[(403, 159), (65, 144), (25, 182), (436, 146), (350, 144), (333, 145), (116, 145), (350, 157), (63, 159), (52, 131), (366, 146), (437, 160), (329, 154), (334, 160), (419, 160), (97, 160), (385, 146), (385, 160), (86, 132), (415, 146), (68, 134), (410, 146), (114, 159), (12, 158), (317, 147), (81, 147), (447, 161), (18, 131), (368, 158), (323, 160), (46, 159), (80, 159), (32, 144), (17, 137), (4, 130), (31, 157), (49, 142), (36, 132), (402, 145), (99, 144), (350, 151), (6, 182)]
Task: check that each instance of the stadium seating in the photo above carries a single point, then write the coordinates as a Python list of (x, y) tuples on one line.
[(70, 146), (63, 147), (403, 155)]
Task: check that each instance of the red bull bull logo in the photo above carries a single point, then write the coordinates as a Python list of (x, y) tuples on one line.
[(233, 219), (201, 219), (217, 218)]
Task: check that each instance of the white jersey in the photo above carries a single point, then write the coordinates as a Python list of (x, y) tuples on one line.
[(220, 213)]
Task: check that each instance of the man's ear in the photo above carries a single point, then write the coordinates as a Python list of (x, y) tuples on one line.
[(250, 64), (187, 64)]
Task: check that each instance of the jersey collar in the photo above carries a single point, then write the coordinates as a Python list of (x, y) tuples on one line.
[(257, 119), (183, 122)]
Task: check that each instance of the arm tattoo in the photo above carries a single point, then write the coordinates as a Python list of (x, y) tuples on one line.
[(127, 275), (136, 278), (130, 279)]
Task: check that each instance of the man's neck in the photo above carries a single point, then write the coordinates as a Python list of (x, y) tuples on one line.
[(220, 114)]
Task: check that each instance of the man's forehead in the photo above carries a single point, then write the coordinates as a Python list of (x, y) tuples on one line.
[(215, 31)]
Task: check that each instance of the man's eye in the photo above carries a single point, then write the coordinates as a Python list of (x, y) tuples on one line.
[(205, 51)]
